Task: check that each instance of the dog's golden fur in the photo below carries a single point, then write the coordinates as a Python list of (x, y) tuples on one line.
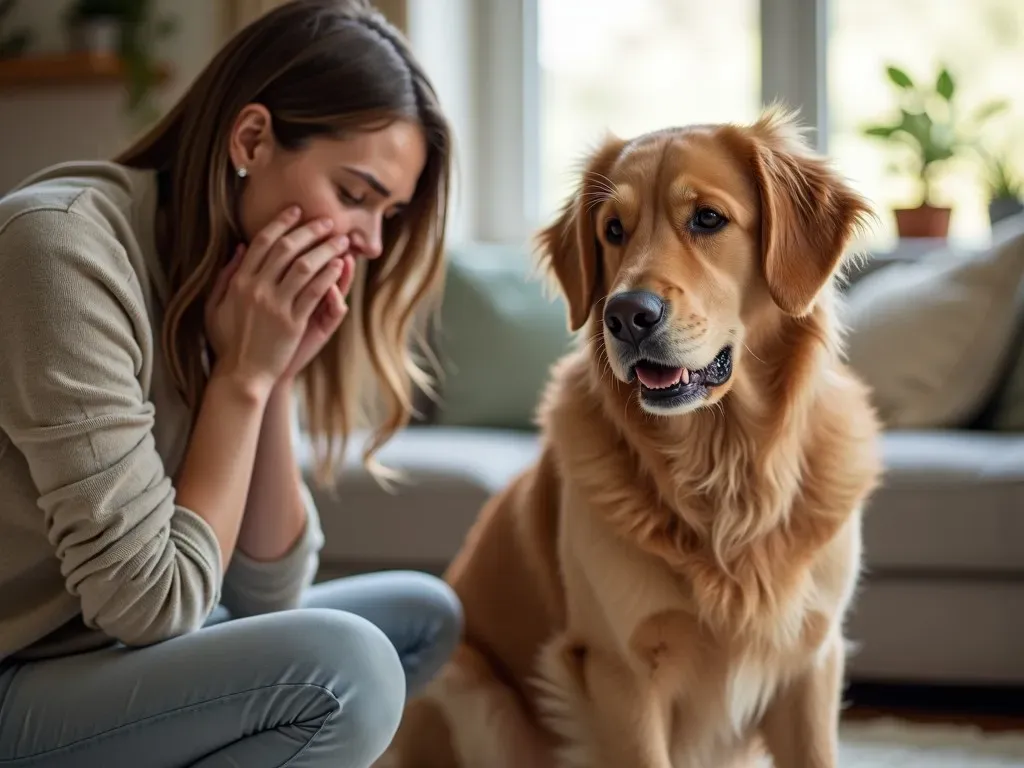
[(668, 590)]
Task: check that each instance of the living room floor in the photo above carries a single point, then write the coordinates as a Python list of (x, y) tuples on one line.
[(989, 708)]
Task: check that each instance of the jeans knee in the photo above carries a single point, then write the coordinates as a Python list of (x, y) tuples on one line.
[(437, 602), (446, 608), (375, 697), (366, 676)]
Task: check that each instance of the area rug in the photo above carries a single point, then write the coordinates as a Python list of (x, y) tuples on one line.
[(888, 743)]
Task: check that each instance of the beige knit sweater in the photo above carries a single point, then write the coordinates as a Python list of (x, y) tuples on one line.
[(93, 547)]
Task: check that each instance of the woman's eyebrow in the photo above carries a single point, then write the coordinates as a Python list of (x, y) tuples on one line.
[(370, 179)]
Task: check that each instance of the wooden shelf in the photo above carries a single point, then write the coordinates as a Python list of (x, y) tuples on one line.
[(70, 69)]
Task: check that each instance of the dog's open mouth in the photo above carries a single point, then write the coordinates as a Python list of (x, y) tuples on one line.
[(668, 385)]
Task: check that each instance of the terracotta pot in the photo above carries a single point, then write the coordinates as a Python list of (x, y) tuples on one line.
[(923, 221)]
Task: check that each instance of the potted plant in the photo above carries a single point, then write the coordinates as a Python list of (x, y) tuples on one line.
[(926, 125), (1005, 188), (130, 30), (94, 26), (13, 44)]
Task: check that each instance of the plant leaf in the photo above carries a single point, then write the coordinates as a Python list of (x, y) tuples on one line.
[(918, 125), (899, 77), (989, 109), (945, 85)]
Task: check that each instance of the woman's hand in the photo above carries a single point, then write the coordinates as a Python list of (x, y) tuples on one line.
[(326, 319), (260, 310)]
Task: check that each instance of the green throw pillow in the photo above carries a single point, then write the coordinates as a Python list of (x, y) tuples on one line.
[(500, 333)]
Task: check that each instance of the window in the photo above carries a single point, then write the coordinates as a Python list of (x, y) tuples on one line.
[(605, 66), (544, 79), (980, 41)]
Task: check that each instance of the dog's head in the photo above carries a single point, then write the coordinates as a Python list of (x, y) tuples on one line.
[(679, 241)]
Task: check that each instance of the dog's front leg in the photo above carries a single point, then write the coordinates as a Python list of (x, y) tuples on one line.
[(605, 716), (801, 725)]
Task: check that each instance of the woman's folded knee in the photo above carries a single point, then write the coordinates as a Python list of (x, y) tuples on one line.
[(370, 682), (351, 651), (352, 659), (436, 601), (448, 609)]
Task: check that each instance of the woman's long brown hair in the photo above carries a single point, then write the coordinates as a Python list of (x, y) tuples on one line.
[(322, 68)]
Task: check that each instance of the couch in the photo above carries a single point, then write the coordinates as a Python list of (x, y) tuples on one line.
[(944, 536)]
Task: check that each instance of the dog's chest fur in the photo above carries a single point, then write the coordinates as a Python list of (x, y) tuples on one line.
[(628, 603), (715, 646)]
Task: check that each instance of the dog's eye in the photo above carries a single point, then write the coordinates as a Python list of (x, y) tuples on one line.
[(613, 231), (707, 220)]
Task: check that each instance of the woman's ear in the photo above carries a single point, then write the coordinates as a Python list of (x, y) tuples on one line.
[(252, 138), (809, 214), (569, 247)]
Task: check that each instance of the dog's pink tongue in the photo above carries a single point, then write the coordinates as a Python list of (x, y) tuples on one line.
[(660, 378)]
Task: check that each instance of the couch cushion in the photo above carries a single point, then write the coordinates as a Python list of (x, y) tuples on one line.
[(499, 334), (951, 501), (931, 337), (449, 474)]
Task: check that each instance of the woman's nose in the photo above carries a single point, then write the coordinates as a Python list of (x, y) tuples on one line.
[(368, 241)]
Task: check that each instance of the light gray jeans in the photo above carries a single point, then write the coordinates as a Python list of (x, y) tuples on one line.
[(322, 685)]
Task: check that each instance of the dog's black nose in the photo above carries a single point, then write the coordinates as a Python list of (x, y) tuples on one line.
[(633, 315)]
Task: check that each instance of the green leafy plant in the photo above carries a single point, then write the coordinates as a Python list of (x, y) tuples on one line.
[(140, 30), (1001, 179), (929, 125)]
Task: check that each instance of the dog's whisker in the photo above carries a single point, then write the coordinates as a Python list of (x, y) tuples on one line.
[(591, 205), (719, 408), (600, 180), (607, 184), (751, 353)]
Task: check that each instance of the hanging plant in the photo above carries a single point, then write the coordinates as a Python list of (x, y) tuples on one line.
[(129, 29)]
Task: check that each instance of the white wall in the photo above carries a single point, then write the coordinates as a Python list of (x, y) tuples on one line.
[(42, 126)]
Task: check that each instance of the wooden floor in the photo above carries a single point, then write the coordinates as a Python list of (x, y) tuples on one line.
[(992, 709)]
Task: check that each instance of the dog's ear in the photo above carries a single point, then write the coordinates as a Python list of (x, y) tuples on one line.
[(569, 247), (809, 213)]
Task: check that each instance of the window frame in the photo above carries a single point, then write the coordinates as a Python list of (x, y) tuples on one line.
[(490, 84)]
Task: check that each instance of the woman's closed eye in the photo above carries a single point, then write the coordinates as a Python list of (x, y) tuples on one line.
[(348, 198)]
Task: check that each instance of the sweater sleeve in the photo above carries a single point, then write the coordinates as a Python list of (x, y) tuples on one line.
[(254, 586), (74, 340)]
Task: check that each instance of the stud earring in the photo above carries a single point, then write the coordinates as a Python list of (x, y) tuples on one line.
[(242, 172)]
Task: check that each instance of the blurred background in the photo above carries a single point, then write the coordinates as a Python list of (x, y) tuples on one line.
[(532, 83), (920, 103)]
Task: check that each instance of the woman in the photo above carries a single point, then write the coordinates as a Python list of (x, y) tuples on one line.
[(279, 230)]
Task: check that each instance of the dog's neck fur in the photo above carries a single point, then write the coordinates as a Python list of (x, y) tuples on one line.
[(751, 455)]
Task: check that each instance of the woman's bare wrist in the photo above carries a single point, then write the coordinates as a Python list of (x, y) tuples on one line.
[(252, 389)]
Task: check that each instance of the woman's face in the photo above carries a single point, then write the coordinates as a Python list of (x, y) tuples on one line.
[(357, 182)]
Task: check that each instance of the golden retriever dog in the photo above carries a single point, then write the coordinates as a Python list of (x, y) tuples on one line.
[(666, 586)]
